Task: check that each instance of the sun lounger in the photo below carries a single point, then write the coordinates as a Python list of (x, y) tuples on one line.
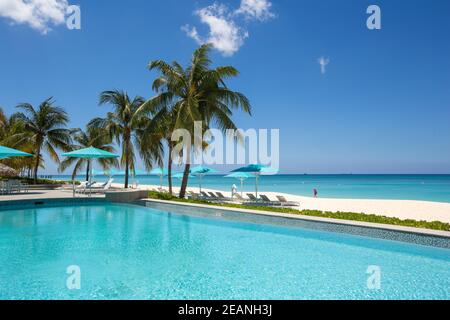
[(262, 201), (252, 197), (213, 196), (82, 187), (221, 196), (102, 189), (267, 201), (285, 202), (99, 185), (204, 196), (193, 195)]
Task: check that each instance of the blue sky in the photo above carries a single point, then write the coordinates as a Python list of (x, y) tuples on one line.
[(382, 106)]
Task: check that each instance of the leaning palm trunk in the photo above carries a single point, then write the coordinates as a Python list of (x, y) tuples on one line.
[(87, 171), (169, 167), (127, 163), (187, 172), (36, 165), (184, 183)]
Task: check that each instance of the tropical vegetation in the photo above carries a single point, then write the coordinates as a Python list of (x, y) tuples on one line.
[(129, 125), (93, 137), (45, 128), (196, 93), (138, 126)]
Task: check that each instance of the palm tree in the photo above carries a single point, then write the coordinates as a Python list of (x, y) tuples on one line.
[(161, 128), (197, 93), (92, 137), (128, 125), (9, 130), (45, 129)]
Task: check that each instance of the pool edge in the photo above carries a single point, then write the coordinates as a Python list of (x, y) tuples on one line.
[(427, 237)]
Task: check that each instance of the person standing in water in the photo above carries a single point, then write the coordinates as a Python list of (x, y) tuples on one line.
[(315, 192)]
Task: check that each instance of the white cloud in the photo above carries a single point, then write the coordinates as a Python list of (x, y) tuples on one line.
[(256, 10), (323, 62), (38, 14), (224, 32)]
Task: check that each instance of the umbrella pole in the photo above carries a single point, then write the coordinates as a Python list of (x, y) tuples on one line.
[(256, 185), (242, 187), (200, 181), (90, 178)]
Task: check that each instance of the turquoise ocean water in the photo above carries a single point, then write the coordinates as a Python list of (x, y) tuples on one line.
[(405, 187), (129, 252)]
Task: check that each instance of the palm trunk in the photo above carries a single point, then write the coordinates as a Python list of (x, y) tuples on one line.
[(36, 165), (88, 170), (127, 162), (187, 172), (184, 183), (169, 167)]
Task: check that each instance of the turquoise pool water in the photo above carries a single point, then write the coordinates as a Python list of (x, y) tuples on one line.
[(130, 252), (381, 186)]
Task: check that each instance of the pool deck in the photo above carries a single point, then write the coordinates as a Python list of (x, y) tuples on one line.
[(47, 195)]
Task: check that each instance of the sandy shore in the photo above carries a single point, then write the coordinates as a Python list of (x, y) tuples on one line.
[(403, 209)]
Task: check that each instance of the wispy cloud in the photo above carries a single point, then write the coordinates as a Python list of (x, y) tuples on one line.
[(256, 9), (224, 31), (225, 35), (323, 62), (40, 15)]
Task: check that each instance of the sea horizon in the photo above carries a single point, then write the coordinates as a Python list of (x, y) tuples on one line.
[(423, 187)]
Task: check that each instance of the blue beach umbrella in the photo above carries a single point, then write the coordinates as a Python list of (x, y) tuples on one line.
[(200, 172), (242, 176), (89, 154), (6, 152), (257, 170)]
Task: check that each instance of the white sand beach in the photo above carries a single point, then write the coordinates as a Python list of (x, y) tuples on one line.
[(403, 209)]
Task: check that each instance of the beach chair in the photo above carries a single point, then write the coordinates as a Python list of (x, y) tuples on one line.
[(4, 188), (213, 196), (100, 185), (102, 188), (221, 196), (204, 196), (24, 187), (269, 202), (82, 188), (192, 195), (285, 202), (252, 197)]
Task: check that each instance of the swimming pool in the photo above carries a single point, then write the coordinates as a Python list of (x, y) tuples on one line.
[(132, 252)]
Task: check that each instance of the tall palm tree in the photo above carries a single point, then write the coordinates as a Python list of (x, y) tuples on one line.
[(196, 93), (45, 128), (161, 128), (92, 137), (9, 130), (128, 125)]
